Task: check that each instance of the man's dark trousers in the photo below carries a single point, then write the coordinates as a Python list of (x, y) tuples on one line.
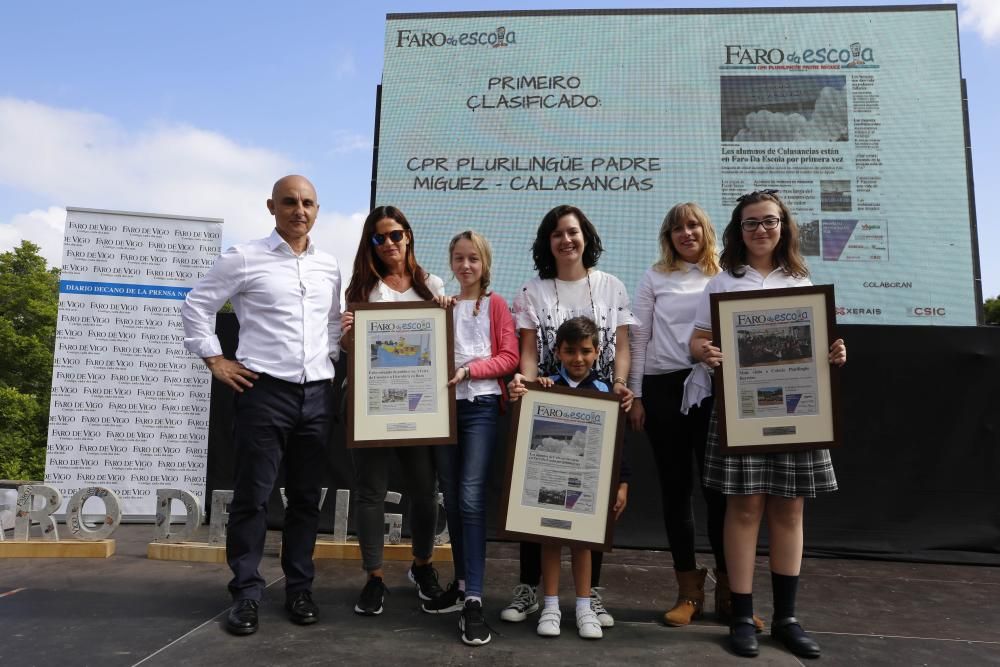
[(276, 419)]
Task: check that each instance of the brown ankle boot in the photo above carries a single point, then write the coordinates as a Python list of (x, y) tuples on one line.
[(724, 601), (690, 598)]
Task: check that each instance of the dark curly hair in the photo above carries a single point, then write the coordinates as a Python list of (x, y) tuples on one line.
[(541, 249)]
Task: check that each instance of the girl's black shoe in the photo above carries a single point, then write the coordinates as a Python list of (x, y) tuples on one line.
[(743, 637), (790, 633)]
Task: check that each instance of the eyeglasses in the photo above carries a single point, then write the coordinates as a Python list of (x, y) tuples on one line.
[(395, 236), (751, 224), (754, 194)]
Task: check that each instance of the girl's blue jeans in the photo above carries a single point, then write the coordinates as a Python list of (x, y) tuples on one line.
[(463, 473)]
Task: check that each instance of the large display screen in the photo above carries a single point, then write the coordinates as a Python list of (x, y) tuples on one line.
[(488, 120)]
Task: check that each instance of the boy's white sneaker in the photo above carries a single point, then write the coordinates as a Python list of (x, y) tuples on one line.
[(587, 624), (548, 623)]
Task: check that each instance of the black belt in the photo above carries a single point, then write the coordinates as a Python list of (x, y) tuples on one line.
[(311, 383)]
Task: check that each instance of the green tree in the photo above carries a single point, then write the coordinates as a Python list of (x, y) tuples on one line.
[(991, 310), (22, 435), (29, 304)]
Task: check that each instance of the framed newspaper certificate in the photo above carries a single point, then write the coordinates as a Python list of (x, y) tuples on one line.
[(562, 459), (401, 358), (775, 390)]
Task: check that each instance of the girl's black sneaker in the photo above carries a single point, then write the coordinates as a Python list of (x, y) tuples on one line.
[(475, 631)]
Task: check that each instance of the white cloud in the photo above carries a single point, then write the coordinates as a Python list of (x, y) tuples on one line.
[(76, 158), (982, 16), (348, 142), (42, 227)]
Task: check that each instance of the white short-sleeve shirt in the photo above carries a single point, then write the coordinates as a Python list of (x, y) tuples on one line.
[(544, 304)]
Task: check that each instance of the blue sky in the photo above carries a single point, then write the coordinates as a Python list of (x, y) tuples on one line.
[(195, 108)]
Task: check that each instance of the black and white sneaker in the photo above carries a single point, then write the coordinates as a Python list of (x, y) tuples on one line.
[(597, 606), (451, 600), (475, 631), (372, 597), (525, 602), (426, 579)]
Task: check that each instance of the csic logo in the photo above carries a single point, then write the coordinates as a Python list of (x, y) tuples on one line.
[(849, 310), (498, 38), (926, 311), (853, 56)]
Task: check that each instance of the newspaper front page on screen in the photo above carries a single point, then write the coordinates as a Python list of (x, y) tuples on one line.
[(488, 120)]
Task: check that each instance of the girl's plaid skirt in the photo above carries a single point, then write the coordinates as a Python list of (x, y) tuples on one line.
[(786, 475)]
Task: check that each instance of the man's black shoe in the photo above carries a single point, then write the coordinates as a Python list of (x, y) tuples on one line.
[(242, 617), (301, 608)]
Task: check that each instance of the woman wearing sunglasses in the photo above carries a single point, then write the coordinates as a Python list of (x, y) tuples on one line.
[(386, 269), (761, 251)]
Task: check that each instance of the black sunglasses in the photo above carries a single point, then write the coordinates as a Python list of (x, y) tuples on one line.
[(751, 195), (395, 236)]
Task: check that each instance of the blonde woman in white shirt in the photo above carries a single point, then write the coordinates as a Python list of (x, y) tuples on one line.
[(665, 304)]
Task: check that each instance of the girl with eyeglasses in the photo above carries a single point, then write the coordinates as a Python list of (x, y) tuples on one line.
[(566, 250), (386, 269), (761, 251)]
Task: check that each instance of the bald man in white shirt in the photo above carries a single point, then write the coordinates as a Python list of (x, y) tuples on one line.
[(286, 294)]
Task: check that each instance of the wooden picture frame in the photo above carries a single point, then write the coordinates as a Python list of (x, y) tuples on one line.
[(554, 493), (776, 390), (401, 356)]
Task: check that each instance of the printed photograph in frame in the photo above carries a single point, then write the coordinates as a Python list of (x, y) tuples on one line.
[(563, 459), (400, 359), (776, 390)]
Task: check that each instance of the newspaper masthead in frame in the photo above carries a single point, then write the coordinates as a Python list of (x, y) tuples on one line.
[(401, 358), (775, 389), (562, 460)]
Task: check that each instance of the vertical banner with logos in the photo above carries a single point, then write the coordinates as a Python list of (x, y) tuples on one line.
[(129, 404)]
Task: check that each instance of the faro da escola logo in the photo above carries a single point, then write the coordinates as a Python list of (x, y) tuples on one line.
[(854, 55), (497, 38)]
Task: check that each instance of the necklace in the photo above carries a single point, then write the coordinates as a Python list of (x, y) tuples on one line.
[(593, 309), (590, 291), (398, 283)]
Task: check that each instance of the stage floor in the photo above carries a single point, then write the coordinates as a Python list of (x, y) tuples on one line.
[(128, 610)]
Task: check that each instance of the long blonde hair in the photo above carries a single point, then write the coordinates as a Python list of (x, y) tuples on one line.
[(482, 247), (670, 259)]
